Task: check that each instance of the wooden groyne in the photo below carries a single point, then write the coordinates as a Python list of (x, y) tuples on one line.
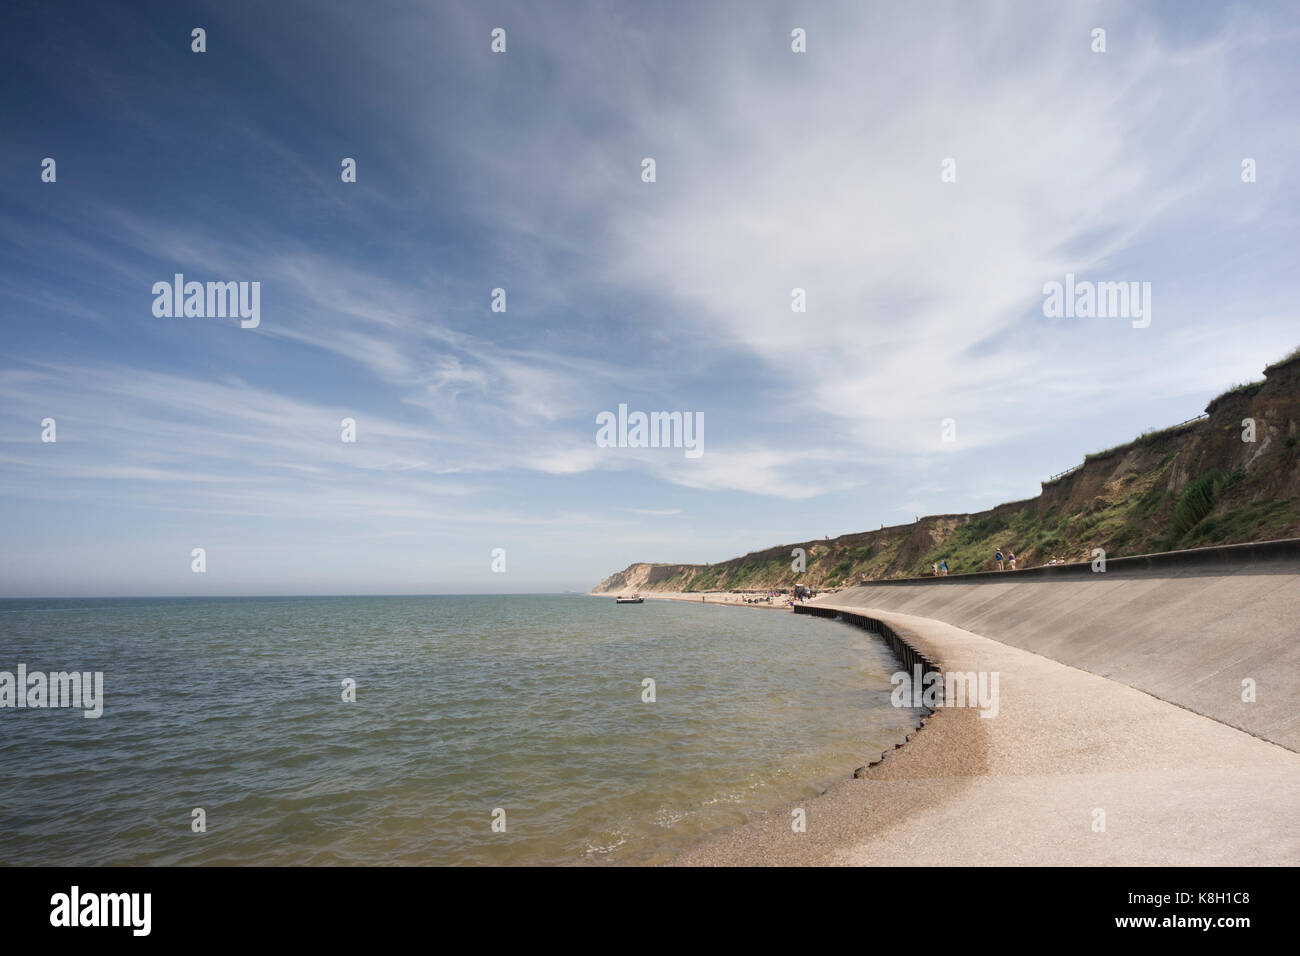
[(902, 648), (914, 661)]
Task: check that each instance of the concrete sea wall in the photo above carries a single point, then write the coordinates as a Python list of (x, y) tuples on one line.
[(1199, 629)]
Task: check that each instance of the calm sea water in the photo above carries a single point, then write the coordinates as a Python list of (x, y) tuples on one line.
[(531, 704)]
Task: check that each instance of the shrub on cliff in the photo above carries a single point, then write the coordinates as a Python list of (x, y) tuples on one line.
[(1197, 500)]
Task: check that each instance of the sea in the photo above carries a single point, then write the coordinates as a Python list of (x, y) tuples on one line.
[(436, 730)]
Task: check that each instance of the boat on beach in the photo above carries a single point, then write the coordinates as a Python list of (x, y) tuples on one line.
[(632, 599)]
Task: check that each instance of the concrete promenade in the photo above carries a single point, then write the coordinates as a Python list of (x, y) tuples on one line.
[(1077, 768), (1188, 627)]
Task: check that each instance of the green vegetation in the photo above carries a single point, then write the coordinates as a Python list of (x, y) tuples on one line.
[(1147, 437), (1133, 509), (1197, 500), (1291, 357), (1246, 522), (1245, 389)]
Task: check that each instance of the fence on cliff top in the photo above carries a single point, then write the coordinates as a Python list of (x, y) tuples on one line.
[(1070, 471)]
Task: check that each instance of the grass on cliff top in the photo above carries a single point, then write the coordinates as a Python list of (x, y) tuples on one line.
[(1148, 436), (1242, 388), (1285, 360)]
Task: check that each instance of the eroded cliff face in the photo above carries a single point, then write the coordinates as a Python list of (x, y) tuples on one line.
[(1190, 486)]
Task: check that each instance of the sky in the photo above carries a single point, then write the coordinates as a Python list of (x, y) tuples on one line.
[(523, 170)]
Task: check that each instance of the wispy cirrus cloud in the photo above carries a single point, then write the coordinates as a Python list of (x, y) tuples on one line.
[(775, 170)]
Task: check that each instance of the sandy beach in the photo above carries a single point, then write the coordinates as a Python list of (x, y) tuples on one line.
[(1075, 769), (779, 603)]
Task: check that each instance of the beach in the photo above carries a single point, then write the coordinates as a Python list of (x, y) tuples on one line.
[(1022, 789), (1076, 768), (758, 599)]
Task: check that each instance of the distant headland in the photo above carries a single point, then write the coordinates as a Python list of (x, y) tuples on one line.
[(1229, 476)]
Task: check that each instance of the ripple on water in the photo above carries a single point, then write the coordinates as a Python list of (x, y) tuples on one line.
[(464, 705)]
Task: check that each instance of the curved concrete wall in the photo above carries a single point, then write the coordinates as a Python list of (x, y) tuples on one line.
[(1188, 627)]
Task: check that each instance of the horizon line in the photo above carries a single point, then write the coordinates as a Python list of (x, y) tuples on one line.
[(200, 597)]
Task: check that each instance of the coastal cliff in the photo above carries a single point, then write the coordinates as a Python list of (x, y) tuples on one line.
[(1192, 485)]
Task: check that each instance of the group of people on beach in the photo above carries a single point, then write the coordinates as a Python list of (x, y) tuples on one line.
[(1010, 559)]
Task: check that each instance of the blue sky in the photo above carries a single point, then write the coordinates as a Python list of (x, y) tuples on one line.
[(522, 170)]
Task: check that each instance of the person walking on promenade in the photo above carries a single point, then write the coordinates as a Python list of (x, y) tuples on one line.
[(934, 569), (1011, 559), (998, 558), (943, 567)]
